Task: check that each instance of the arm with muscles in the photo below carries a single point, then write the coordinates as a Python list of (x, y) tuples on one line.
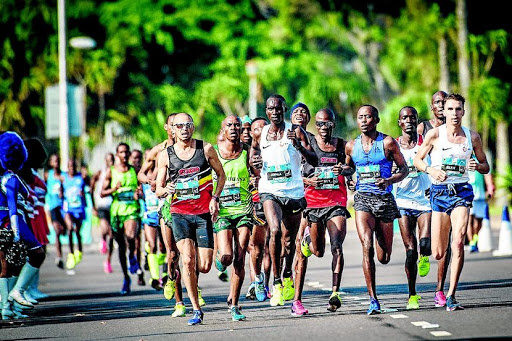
[(481, 166), (393, 150), (107, 190), (163, 187), (349, 146), (423, 151), (213, 160), (343, 168), (300, 141), (148, 164)]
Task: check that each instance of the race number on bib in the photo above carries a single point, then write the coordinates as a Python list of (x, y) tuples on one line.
[(230, 195), (368, 174), (279, 174), (326, 178), (413, 171), (187, 189), (454, 166), (125, 196)]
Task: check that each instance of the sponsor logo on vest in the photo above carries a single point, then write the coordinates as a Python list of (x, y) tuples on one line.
[(189, 171), (328, 160)]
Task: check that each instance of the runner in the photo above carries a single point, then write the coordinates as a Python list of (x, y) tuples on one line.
[(483, 189), (188, 165), (135, 160), (281, 188), (372, 154), (101, 209), (451, 146), (54, 199), (245, 136), (326, 195), (234, 223), (121, 183), (412, 201), (74, 211)]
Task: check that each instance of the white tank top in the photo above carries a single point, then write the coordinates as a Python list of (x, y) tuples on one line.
[(452, 157), (98, 200), (411, 191), (280, 175)]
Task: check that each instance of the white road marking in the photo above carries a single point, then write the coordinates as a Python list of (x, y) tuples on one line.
[(312, 283), (440, 333), (430, 326), (420, 323), (399, 316)]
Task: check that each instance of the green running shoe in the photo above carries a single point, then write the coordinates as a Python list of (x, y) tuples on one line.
[(236, 315), (423, 266), (289, 289), (334, 301), (179, 310), (277, 295), (304, 244), (71, 261), (170, 289), (413, 302)]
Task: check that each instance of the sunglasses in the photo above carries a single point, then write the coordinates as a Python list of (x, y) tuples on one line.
[(188, 125), (327, 124)]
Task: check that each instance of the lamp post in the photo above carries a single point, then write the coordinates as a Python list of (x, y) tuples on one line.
[(63, 89), (252, 68)]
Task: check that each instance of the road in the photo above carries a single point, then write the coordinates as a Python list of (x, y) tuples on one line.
[(87, 306)]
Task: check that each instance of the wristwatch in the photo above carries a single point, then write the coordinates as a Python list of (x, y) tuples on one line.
[(216, 198)]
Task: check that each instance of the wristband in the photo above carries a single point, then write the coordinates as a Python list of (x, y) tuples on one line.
[(216, 198), (425, 171)]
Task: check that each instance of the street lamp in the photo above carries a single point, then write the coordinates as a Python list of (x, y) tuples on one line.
[(252, 68), (63, 89)]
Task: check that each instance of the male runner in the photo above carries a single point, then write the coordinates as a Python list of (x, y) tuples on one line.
[(101, 208), (135, 160), (188, 165), (372, 154), (74, 210), (245, 136), (121, 183), (451, 146), (412, 201), (281, 188), (326, 195), (437, 108)]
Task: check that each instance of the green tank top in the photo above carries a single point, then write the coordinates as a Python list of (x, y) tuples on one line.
[(235, 198), (124, 204)]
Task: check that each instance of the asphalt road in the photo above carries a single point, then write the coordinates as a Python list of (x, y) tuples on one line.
[(87, 306)]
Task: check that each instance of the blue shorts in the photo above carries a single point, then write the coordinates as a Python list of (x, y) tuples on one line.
[(478, 209), (151, 219), (444, 198), (411, 212), (199, 228), (76, 215)]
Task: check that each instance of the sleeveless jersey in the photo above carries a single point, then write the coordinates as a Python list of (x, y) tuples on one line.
[(426, 127), (281, 171), (235, 198), (477, 181), (98, 200), (123, 203), (74, 193), (193, 180), (371, 166), (52, 196), (331, 190), (150, 198), (411, 191), (452, 157)]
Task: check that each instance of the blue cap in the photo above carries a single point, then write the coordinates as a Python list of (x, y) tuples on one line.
[(246, 119), (300, 105), (505, 216)]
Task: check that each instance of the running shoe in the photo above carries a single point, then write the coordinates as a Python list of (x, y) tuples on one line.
[(202, 303), (473, 248), (452, 304), (439, 299), (289, 289), (277, 295), (170, 289), (236, 315), (155, 284), (223, 276), (260, 291), (134, 266), (197, 318), (126, 287), (78, 257), (298, 309), (251, 292), (141, 280), (218, 264), (71, 262), (423, 266), (107, 267), (334, 301), (413, 302), (304, 244), (59, 262), (374, 307), (103, 246), (179, 310)]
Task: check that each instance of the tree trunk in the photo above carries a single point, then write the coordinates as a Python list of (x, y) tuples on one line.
[(502, 162), (444, 79), (462, 42)]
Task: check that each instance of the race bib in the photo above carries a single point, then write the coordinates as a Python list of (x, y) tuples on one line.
[(56, 189), (125, 196), (368, 174), (230, 195), (187, 189), (413, 171), (454, 166), (279, 174), (326, 178)]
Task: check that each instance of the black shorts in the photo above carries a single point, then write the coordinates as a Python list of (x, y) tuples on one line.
[(316, 215), (289, 206), (103, 213), (381, 206), (56, 215), (199, 228), (259, 215)]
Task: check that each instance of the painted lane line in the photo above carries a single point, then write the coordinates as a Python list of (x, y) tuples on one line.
[(440, 333), (399, 316), (312, 283), (430, 326), (420, 323)]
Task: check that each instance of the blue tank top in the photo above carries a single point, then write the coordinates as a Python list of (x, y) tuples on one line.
[(52, 196), (74, 193), (371, 166)]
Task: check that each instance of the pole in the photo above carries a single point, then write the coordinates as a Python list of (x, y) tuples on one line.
[(252, 69), (63, 102)]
